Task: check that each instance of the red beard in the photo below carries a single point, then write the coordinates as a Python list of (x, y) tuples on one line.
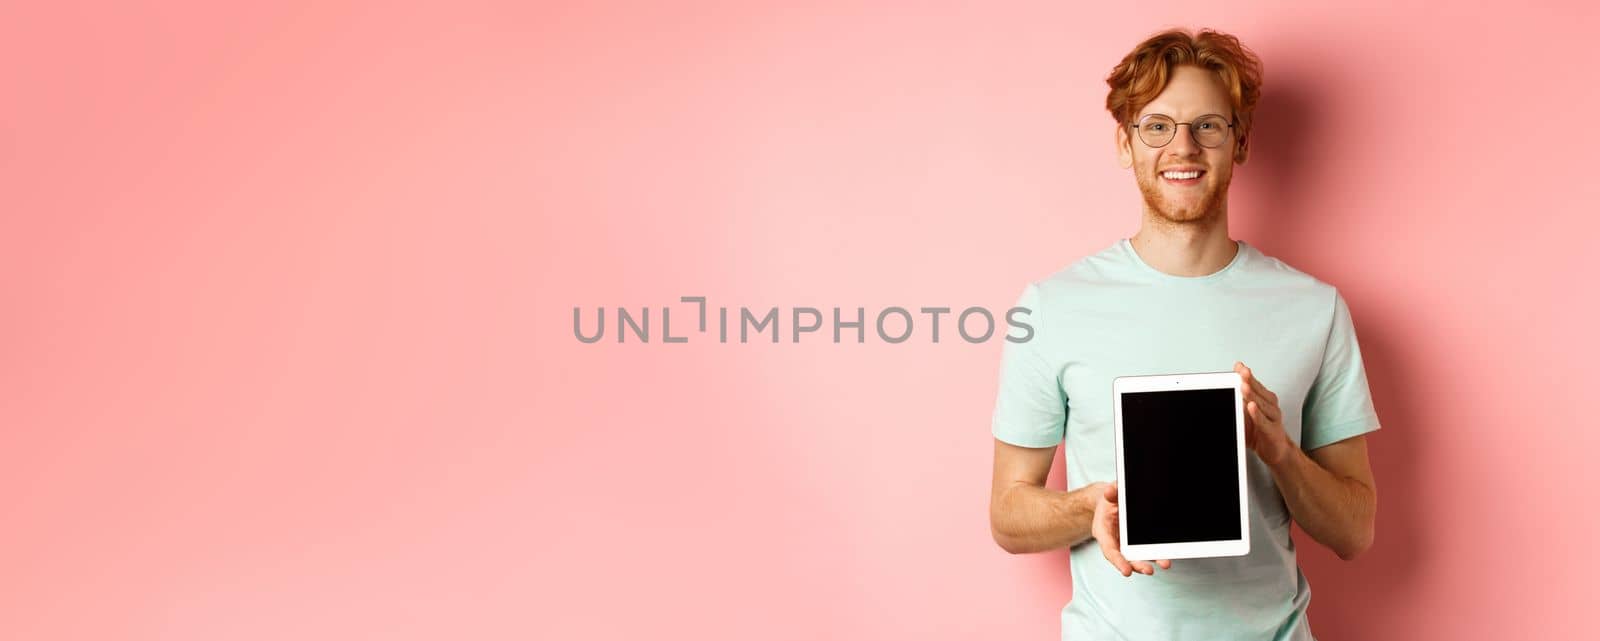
[(1204, 211)]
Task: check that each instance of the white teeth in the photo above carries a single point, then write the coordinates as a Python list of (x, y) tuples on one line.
[(1181, 175)]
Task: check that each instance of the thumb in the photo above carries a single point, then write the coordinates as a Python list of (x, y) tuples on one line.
[(1111, 492)]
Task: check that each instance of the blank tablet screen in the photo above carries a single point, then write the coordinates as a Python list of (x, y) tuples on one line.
[(1180, 466)]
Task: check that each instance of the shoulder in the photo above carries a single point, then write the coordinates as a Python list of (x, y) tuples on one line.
[(1107, 267), (1272, 273), (1049, 299)]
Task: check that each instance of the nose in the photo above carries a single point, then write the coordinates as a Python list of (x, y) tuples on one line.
[(1183, 143)]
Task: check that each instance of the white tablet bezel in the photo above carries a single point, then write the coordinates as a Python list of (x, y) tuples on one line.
[(1196, 549)]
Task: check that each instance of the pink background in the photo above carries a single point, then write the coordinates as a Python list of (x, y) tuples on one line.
[(288, 347)]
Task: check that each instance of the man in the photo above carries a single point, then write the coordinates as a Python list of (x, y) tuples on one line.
[(1182, 296)]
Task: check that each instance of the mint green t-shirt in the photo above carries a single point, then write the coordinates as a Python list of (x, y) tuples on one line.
[(1110, 314)]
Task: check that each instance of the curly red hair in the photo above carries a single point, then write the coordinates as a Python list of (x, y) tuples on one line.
[(1144, 72)]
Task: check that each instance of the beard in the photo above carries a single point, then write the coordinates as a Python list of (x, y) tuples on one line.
[(1203, 212)]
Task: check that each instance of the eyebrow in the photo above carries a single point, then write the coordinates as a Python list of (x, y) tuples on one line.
[(1224, 114)]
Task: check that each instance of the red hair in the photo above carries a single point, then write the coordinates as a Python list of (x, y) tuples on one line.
[(1144, 72)]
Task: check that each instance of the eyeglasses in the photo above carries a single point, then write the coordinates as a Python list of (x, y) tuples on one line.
[(1209, 131)]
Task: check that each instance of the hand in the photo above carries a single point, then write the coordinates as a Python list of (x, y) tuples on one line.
[(1263, 420), (1105, 529)]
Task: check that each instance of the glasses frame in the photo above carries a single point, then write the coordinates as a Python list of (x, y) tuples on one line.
[(1232, 128)]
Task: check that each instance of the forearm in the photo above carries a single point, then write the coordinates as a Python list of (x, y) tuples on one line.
[(1337, 511), (1028, 518)]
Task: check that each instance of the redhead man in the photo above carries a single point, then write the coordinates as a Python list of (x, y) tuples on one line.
[(1182, 296)]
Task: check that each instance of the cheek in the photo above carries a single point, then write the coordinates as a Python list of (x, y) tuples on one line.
[(1145, 162), (1222, 165)]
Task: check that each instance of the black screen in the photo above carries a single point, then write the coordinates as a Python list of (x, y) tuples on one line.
[(1181, 467)]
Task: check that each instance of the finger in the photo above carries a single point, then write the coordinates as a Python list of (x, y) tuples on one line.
[(1111, 493), (1114, 555), (1111, 543), (1143, 567), (1249, 376), (1265, 391), (1260, 413), (1250, 388), (1249, 393), (1255, 383), (1254, 410), (1260, 391), (1270, 406), (1253, 386), (1244, 372), (1165, 564)]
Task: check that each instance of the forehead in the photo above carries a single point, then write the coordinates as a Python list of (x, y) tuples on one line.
[(1191, 91)]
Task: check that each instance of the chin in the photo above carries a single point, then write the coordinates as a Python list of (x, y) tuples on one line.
[(1184, 208), (1191, 211), (1185, 216)]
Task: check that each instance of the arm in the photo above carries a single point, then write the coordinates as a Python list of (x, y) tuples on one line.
[(1331, 494), (1330, 491), (1024, 515)]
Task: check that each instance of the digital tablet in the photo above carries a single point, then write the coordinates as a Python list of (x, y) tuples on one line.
[(1181, 489)]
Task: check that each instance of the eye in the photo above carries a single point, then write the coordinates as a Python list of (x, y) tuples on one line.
[(1156, 127)]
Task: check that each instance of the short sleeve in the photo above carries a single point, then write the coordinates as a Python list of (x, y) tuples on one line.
[(1338, 404), (1030, 409)]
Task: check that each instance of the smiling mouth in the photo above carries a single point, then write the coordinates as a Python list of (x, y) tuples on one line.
[(1183, 177)]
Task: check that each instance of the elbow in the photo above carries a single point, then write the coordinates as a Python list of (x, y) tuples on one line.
[(997, 519), (1004, 541), (1002, 538), (1357, 547), (1367, 531)]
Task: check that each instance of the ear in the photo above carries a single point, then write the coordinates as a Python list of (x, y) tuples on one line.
[(1124, 147), (1243, 152)]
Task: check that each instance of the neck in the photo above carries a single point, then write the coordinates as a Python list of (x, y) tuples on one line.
[(1195, 248)]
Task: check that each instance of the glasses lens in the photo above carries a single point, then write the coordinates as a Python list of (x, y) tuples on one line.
[(1156, 130), (1210, 131)]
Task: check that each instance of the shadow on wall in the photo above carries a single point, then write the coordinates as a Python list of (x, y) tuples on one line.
[(1364, 598)]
